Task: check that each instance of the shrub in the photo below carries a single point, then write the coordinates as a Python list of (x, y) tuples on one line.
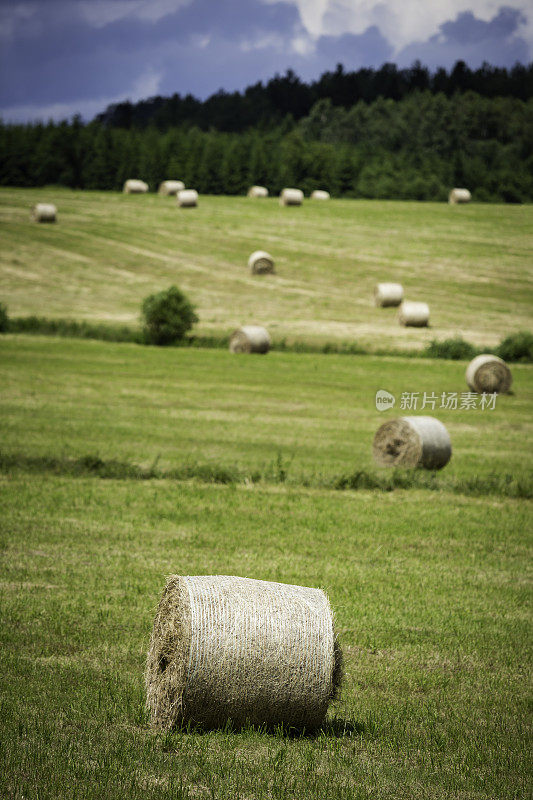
[(167, 316), (4, 319), (516, 347), (454, 349)]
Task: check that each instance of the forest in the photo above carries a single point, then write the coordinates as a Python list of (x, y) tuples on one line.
[(387, 133)]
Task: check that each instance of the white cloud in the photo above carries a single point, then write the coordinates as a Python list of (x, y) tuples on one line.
[(400, 21), (102, 12)]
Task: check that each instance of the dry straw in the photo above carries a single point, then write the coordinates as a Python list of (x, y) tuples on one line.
[(412, 442), (171, 187), (187, 198), (257, 191), (44, 212), (250, 339), (291, 197), (388, 294), (488, 373), (226, 648), (261, 262), (320, 194), (459, 196), (414, 315), (134, 186)]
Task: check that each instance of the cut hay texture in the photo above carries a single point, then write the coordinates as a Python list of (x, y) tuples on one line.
[(291, 197), (412, 442), (388, 294), (488, 373), (261, 262), (188, 198), (226, 648), (459, 196), (250, 339), (414, 315), (170, 187), (257, 191), (135, 186), (44, 212), (320, 194)]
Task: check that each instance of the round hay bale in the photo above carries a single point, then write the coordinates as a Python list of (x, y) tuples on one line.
[(227, 648), (489, 374), (459, 196), (261, 262), (388, 294), (414, 315), (412, 442), (134, 186), (257, 191), (44, 212), (291, 197), (250, 339), (170, 187), (320, 194), (188, 198)]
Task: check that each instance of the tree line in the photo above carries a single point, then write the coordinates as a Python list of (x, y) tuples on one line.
[(266, 106), (415, 148)]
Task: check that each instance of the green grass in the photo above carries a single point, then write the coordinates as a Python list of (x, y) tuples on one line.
[(312, 416), (432, 606), (108, 251)]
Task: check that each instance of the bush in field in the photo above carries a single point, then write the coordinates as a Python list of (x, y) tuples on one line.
[(455, 349), (516, 347), (167, 316), (4, 319)]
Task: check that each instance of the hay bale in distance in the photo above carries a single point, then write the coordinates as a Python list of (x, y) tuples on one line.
[(170, 187), (414, 315), (250, 339), (228, 648), (291, 197), (388, 294), (459, 196), (488, 373), (320, 194), (188, 198), (44, 212), (135, 186), (257, 191), (412, 442), (261, 262)]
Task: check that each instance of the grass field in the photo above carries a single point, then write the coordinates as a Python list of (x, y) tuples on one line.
[(221, 464), (472, 264)]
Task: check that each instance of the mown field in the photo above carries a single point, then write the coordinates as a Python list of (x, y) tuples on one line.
[(121, 464), (472, 264)]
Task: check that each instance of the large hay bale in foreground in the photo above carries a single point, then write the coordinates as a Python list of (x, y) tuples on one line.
[(414, 315), (261, 262), (291, 197), (412, 442), (250, 339), (388, 294), (188, 198), (170, 187), (488, 373), (44, 212), (227, 648), (257, 191), (320, 194), (135, 186), (459, 196)]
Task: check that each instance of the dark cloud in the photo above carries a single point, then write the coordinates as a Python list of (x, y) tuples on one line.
[(472, 40), (355, 50)]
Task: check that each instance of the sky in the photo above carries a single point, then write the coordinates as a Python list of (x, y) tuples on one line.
[(62, 57)]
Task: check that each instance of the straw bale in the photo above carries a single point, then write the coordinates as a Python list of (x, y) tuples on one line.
[(388, 294), (228, 648), (261, 262), (459, 196), (488, 373), (291, 197), (250, 339), (134, 186), (414, 315), (412, 442), (171, 187), (320, 194), (257, 191), (44, 212), (188, 198)]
